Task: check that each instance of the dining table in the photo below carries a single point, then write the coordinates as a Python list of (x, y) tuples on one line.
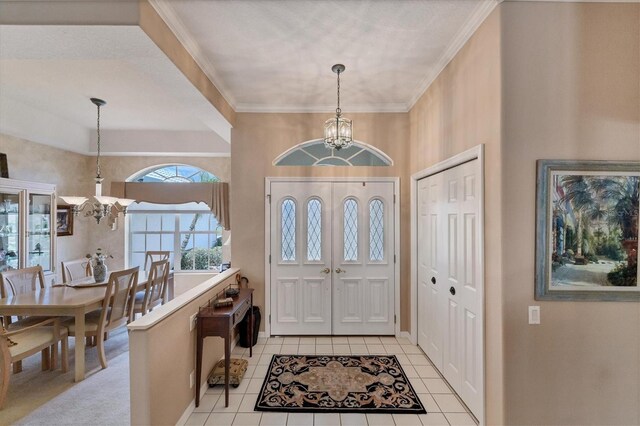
[(73, 299)]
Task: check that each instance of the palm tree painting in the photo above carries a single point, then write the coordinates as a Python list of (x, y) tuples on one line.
[(594, 229)]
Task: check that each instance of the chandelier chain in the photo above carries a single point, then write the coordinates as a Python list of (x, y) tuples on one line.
[(98, 157), (338, 110)]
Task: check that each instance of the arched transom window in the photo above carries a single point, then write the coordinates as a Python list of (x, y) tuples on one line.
[(314, 153)]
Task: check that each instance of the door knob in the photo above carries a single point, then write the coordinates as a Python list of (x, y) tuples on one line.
[(433, 280), (452, 291), (326, 270), (338, 270)]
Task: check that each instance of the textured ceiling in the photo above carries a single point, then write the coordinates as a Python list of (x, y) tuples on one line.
[(267, 55)]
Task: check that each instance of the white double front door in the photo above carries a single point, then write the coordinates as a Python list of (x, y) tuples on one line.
[(332, 255), (450, 291)]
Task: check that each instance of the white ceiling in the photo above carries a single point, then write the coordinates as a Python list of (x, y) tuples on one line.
[(48, 74), (269, 55)]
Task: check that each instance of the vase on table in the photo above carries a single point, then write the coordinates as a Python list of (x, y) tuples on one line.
[(100, 271)]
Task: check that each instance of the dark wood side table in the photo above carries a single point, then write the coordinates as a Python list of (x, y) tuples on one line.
[(221, 322)]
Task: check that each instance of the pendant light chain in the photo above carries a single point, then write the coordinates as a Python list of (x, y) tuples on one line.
[(338, 110), (98, 157)]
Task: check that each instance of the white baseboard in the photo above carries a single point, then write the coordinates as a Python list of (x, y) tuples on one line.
[(203, 389), (406, 335)]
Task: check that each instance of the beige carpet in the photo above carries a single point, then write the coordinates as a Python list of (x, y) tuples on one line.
[(52, 398)]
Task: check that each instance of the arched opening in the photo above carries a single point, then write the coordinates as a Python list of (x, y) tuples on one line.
[(314, 153)]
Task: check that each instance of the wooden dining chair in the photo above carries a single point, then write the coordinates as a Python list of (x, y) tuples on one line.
[(153, 256), (74, 269), (153, 294), (16, 345), (116, 309)]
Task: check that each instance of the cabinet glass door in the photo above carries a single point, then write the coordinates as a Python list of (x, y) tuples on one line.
[(9, 231), (39, 231)]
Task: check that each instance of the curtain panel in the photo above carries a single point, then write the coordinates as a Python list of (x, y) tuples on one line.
[(214, 194)]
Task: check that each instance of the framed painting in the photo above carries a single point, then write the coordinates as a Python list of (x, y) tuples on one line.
[(587, 230), (64, 221)]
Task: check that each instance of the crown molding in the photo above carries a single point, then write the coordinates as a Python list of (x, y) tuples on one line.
[(481, 13), (160, 154), (175, 24), (346, 109)]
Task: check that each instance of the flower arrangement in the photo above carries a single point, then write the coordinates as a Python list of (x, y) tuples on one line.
[(99, 256)]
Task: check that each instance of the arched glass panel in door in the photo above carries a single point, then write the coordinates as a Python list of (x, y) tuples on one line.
[(314, 230), (376, 230), (350, 230), (288, 230)]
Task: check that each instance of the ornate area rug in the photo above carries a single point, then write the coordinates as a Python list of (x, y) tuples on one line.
[(338, 383)]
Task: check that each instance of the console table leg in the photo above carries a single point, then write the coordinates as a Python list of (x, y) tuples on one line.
[(198, 360), (227, 365)]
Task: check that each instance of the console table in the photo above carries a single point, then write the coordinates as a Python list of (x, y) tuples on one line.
[(221, 322)]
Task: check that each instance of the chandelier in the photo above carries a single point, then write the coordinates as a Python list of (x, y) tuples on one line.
[(101, 206), (338, 131)]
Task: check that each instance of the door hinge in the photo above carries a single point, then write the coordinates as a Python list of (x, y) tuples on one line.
[(269, 318), (394, 319), (394, 198), (269, 259), (394, 258), (269, 198)]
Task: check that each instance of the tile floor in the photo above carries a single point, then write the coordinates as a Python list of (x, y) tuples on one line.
[(441, 403)]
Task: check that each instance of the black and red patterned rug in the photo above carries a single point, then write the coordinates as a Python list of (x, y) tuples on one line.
[(338, 383)]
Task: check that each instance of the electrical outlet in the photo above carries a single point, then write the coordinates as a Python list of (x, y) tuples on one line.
[(534, 314), (192, 378), (192, 322)]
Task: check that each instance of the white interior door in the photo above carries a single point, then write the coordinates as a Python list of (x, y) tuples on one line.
[(430, 324), (363, 258), (332, 262), (449, 252), (300, 258)]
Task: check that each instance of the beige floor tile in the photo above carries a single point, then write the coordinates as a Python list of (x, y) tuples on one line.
[(427, 371), (403, 341), (300, 419), (324, 349), (380, 420), (291, 341), (388, 340), (288, 349), (356, 340), (248, 403), (433, 419), (353, 419), (341, 349), (407, 420), (326, 419), (234, 404), (323, 341), (372, 340), (410, 371), (418, 386), (418, 359), (306, 349), (220, 419), (393, 349), (265, 359), (273, 419), (411, 349), (255, 385), (436, 386), (272, 349), (216, 390), (359, 349), (207, 402), (428, 402), (197, 419), (247, 419), (256, 350), (403, 360), (307, 341), (340, 340), (242, 388), (260, 371), (448, 403), (377, 349), (460, 419)]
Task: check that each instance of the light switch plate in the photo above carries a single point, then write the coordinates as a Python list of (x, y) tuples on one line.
[(534, 314), (192, 322)]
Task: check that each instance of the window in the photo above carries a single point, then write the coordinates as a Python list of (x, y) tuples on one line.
[(190, 232), (376, 230), (314, 230), (350, 231), (314, 153), (288, 230)]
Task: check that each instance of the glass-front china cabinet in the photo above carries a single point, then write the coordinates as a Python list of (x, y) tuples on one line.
[(27, 228)]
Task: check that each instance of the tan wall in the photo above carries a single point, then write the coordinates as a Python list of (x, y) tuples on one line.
[(258, 139), (70, 172), (460, 110), (571, 90)]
